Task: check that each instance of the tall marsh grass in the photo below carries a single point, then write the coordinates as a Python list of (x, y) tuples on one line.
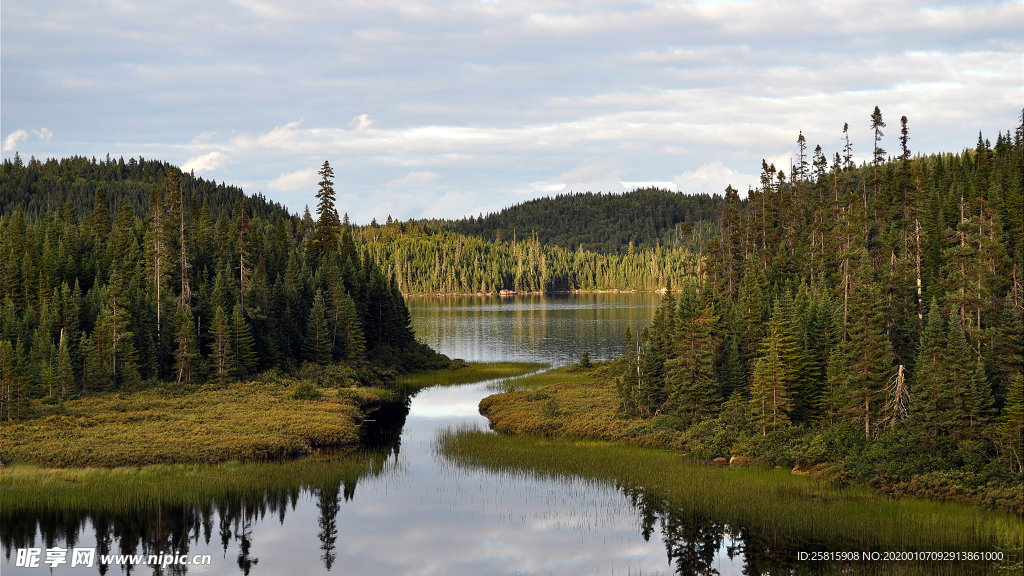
[(25, 487), (477, 372), (257, 420), (773, 502)]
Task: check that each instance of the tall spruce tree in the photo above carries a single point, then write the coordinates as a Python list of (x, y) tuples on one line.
[(318, 333)]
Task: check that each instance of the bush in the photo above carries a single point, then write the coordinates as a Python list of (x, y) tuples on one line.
[(306, 390)]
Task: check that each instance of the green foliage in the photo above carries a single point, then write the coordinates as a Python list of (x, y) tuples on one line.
[(193, 282), (603, 223)]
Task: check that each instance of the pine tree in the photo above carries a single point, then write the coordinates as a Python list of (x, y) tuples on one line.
[(772, 378), (690, 372), (186, 352), (112, 338), (318, 333), (14, 385), (868, 353), (327, 231), (65, 370), (241, 344), (931, 398), (351, 342), (1011, 426), (221, 355), (627, 383)]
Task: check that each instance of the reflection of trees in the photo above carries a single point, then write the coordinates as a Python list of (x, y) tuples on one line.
[(327, 503), (693, 540)]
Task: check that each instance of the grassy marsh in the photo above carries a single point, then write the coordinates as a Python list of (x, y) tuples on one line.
[(468, 374), (256, 420), (770, 501), (569, 402)]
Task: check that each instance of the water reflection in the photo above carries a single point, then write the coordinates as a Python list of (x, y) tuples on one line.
[(534, 328), (409, 510)]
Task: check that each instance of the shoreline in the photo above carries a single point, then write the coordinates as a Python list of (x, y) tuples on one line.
[(572, 404), (509, 293)]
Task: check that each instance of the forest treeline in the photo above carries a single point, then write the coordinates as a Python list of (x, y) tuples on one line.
[(167, 290), (865, 318), (602, 223), (425, 259), (38, 187)]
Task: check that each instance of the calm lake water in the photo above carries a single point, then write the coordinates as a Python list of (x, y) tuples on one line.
[(420, 514)]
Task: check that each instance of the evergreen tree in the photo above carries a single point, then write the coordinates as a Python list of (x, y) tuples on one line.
[(186, 352), (868, 353), (627, 383), (221, 355), (241, 344), (771, 380), (318, 334), (327, 231), (690, 372), (1011, 426), (351, 343), (931, 398)]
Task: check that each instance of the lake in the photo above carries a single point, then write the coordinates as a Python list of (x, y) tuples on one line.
[(415, 511)]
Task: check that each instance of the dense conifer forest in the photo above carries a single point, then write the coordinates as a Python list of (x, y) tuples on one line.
[(426, 258), (603, 223), (866, 317), (195, 283)]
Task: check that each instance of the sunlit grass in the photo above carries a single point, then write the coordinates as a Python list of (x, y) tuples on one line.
[(568, 402), (531, 381), (476, 372), (256, 420), (771, 501)]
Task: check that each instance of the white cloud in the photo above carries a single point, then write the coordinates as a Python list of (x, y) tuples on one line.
[(43, 134), (591, 175), (713, 178), (635, 185), (415, 178), (677, 85), (211, 161), (11, 142), (280, 137), (360, 123), (295, 180)]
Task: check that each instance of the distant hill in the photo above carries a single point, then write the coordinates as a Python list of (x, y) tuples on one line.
[(604, 223), (37, 187)]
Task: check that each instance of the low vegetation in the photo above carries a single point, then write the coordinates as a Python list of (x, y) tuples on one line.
[(31, 487), (784, 509), (264, 419), (462, 373), (572, 403)]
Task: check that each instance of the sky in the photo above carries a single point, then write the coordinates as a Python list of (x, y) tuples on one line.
[(444, 109)]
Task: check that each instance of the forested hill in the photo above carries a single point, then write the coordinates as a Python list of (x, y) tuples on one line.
[(604, 223), (868, 321), (166, 292), (38, 187)]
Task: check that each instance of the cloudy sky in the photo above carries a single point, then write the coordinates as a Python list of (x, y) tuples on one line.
[(450, 108)]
